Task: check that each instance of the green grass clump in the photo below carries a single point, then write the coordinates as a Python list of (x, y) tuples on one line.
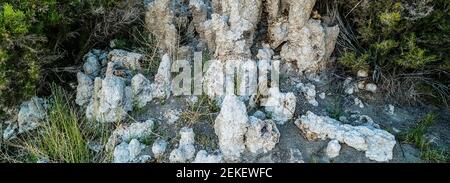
[(61, 138), (416, 136)]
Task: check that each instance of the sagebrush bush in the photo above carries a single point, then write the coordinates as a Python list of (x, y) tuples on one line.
[(399, 38)]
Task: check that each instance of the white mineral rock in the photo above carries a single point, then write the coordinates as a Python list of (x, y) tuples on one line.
[(378, 144), (159, 148), (142, 90), (162, 84), (333, 149), (231, 126), (262, 135), (280, 105), (204, 157), (31, 114)]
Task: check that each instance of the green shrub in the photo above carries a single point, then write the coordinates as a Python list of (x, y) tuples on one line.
[(400, 38), (350, 60)]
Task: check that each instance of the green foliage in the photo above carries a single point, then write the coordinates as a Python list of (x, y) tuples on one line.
[(12, 21), (62, 138), (38, 35), (416, 136), (414, 57), (350, 60), (399, 37)]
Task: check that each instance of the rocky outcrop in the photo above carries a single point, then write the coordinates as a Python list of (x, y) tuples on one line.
[(230, 31), (377, 144), (104, 85), (307, 42), (231, 126), (238, 132), (160, 19)]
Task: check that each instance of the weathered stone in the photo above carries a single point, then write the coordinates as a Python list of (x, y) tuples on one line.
[(262, 136), (333, 149), (280, 105), (322, 95), (260, 115), (142, 90), (363, 74), (114, 100), (162, 84), (92, 65), (204, 157), (159, 148), (214, 79), (84, 89), (171, 116), (296, 156), (230, 127), (31, 114), (390, 109), (358, 102), (159, 18), (310, 46), (378, 144), (309, 91), (10, 132), (371, 87), (230, 32), (131, 152), (130, 60)]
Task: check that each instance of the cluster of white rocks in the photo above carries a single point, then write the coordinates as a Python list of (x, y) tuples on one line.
[(352, 87), (127, 142), (236, 131), (377, 144), (111, 83)]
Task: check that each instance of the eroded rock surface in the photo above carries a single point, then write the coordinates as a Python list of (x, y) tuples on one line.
[(377, 144), (262, 135), (281, 106), (31, 114), (231, 126)]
